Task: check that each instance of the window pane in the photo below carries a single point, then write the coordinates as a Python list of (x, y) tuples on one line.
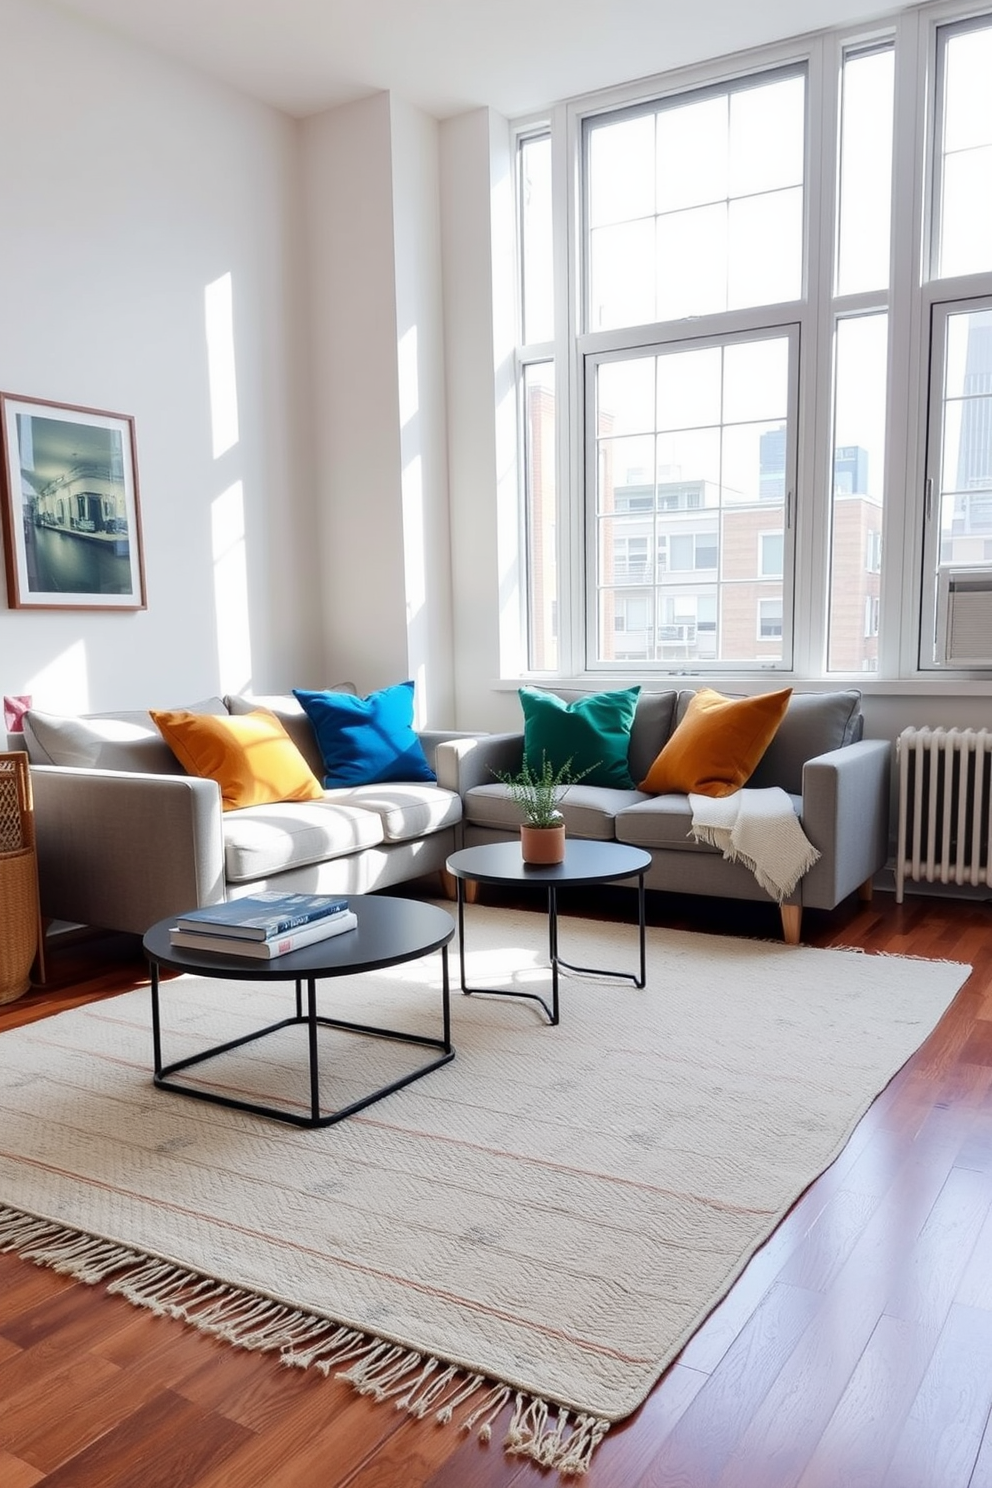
[(539, 480), (765, 256), (535, 234), (965, 228), (860, 358), (966, 463), (626, 389), (689, 389), (717, 186), (621, 275), (693, 142), (690, 457), (756, 380), (692, 262), (626, 468), (767, 137), (621, 171), (712, 513), (865, 170), (966, 234)]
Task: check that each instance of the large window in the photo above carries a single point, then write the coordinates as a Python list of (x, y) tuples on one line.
[(689, 463), (767, 370)]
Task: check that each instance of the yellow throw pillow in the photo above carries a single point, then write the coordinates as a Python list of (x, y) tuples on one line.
[(718, 744), (252, 758)]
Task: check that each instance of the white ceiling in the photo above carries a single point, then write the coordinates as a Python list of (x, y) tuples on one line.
[(303, 56)]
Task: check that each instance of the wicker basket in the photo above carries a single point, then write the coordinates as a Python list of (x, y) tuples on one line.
[(20, 916)]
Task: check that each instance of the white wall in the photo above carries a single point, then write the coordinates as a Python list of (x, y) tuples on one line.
[(478, 256), (377, 371), (128, 185)]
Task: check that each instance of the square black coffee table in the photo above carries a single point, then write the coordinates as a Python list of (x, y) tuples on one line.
[(585, 863), (389, 931)]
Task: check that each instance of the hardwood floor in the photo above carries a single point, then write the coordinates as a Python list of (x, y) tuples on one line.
[(855, 1349)]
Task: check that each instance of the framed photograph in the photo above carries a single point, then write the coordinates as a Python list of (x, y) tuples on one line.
[(71, 526)]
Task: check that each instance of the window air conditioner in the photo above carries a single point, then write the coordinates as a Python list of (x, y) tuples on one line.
[(964, 617)]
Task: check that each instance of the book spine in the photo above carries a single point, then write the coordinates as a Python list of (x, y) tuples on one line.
[(295, 941)]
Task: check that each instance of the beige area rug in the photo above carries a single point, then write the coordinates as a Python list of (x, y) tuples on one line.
[(544, 1220)]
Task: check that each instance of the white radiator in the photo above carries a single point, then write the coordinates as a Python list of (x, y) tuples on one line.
[(945, 806)]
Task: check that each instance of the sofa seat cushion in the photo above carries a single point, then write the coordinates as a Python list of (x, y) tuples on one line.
[(406, 811), (260, 840), (588, 810), (665, 822)]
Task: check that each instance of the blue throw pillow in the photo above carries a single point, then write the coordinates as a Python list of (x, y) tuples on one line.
[(366, 741)]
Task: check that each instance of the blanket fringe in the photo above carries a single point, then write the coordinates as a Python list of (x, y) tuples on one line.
[(421, 1385)]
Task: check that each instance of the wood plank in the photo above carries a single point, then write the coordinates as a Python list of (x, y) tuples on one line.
[(943, 1432), (861, 1436), (15, 1473), (164, 1444), (710, 1430)]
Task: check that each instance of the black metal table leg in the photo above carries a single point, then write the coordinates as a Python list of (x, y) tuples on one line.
[(639, 980), (493, 991), (627, 976)]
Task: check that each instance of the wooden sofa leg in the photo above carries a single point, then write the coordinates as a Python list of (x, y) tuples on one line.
[(865, 891), (792, 915), (449, 887)]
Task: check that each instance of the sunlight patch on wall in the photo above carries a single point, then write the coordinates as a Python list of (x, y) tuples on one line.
[(414, 516), (219, 311), (227, 524), (64, 684)]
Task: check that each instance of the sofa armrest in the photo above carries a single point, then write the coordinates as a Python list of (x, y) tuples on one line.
[(431, 738), (468, 762), (846, 815), (120, 850)]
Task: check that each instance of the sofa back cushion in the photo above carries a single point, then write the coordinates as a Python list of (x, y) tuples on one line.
[(291, 715), (105, 741)]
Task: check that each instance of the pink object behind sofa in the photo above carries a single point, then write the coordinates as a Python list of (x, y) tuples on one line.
[(14, 709)]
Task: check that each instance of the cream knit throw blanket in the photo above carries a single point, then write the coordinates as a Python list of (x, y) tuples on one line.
[(758, 828)]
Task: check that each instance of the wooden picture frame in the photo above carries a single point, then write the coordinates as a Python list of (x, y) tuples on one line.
[(71, 521)]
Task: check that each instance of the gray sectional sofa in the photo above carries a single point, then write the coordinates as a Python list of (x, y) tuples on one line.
[(126, 838), (838, 783)]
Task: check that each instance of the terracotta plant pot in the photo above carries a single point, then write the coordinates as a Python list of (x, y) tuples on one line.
[(542, 845)]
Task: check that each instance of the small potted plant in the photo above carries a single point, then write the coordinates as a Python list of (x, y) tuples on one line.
[(538, 794)]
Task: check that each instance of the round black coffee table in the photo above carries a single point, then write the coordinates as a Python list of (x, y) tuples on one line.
[(389, 931), (585, 863)]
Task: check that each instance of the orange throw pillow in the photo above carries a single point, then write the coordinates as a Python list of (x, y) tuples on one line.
[(251, 756), (718, 743)]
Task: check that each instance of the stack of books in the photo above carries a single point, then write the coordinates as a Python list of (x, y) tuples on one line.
[(263, 925)]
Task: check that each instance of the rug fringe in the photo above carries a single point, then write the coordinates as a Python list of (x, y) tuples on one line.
[(421, 1385)]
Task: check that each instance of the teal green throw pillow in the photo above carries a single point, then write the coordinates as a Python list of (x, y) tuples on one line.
[(593, 731)]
